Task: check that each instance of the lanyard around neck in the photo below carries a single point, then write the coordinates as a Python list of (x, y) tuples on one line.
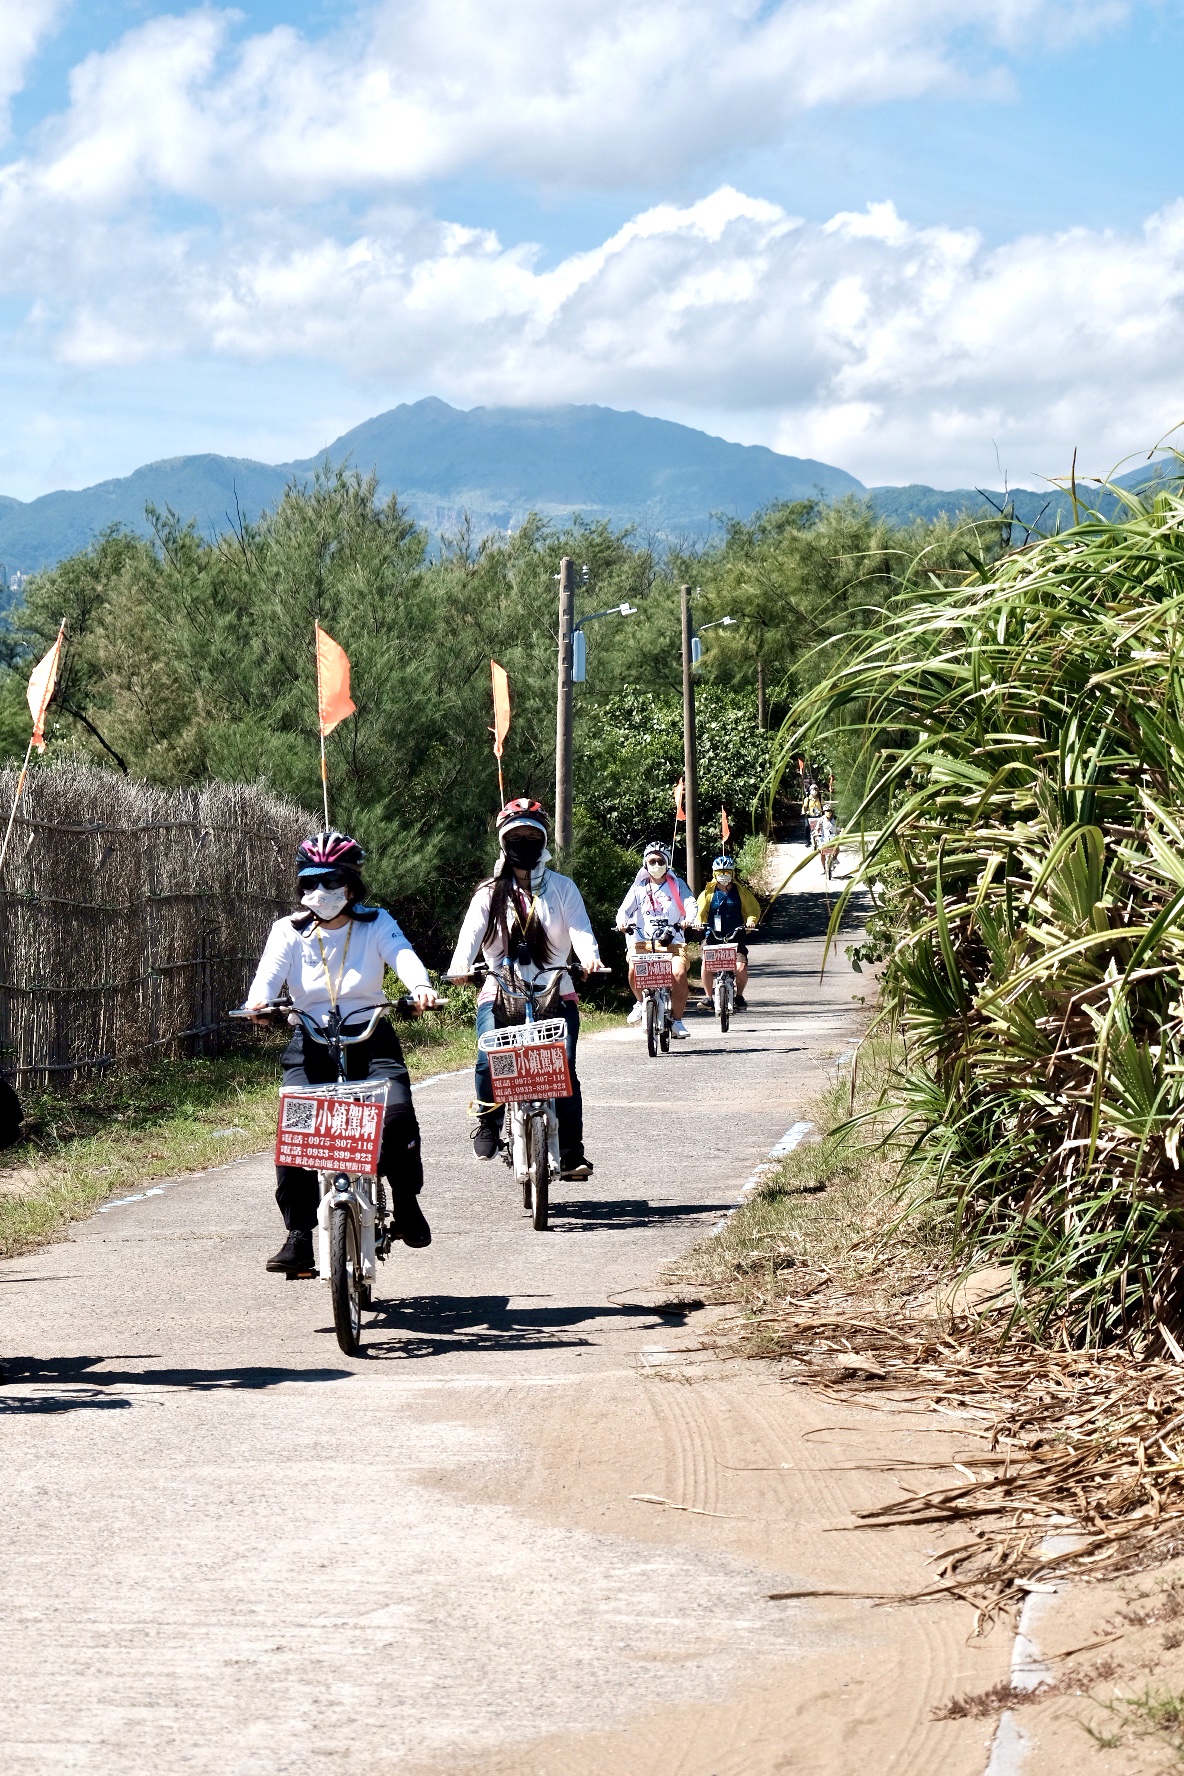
[(334, 986)]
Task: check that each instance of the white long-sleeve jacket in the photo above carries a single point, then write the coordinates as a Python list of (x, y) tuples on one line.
[(559, 912), (293, 959), (650, 903)]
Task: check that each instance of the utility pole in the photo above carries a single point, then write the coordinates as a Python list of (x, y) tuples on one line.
[(567, 610), (690, 766)]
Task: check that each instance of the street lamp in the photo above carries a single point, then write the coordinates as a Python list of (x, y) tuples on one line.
[(579, 647), (697, 645)]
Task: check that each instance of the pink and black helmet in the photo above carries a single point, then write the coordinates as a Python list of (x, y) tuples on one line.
[(328, 853)]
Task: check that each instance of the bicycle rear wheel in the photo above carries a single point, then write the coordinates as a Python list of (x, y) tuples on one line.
[(345, 1279), (651, 1024), (538, 1170), (664, 1025)]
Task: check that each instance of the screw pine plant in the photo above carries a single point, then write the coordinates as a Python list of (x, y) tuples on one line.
[(1024, 734)]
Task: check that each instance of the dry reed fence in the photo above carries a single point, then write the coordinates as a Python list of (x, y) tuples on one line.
[(131, 918)]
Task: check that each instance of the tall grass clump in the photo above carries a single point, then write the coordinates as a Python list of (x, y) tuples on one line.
[(1024, 732)]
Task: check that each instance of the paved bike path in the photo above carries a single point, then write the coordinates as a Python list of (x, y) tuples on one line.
[(231, 1548)]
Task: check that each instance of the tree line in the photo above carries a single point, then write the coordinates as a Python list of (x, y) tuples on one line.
[(191, 659)]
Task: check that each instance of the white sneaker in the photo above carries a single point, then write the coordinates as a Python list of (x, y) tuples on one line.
[(678, 1028), (636, 1015)]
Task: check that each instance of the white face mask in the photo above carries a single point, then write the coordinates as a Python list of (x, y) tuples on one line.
[(326, 903), (724, 878), (656, 868)]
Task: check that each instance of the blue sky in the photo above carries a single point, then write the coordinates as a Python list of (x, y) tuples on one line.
[(911, 237)]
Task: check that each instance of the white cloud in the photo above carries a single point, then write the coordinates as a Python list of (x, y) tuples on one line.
[(586, 92), (900, 353), (24, 25)]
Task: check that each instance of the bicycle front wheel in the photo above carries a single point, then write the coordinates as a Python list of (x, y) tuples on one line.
[(664, 1025), (538, 1168), (725, 1006), (345, 1279), (651, 1025)]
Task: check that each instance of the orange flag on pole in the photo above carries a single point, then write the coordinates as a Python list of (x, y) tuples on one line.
[(680, 812), (725, 826), (334, 703), (501, 719), (42, 680)]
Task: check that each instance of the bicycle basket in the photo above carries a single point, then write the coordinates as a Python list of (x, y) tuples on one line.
[(332, 1128), (528, 1061)]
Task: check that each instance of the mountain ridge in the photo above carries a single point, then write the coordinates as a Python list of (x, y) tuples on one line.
[(493, 465)]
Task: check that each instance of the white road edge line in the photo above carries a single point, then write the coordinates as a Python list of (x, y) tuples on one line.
[(793, 1137), (1010, 1746)]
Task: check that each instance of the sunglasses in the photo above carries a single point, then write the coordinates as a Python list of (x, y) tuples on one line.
[(323, 879)]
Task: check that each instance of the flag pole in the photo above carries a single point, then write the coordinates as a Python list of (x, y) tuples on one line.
[(320, 721), (20, 784), (44, 692)]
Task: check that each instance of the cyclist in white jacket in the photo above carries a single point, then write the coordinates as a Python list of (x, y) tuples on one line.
[(528, 914), (659, 899), (332, 954)]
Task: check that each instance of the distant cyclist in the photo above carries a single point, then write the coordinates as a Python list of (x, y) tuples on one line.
[(657, 899), (724, 906), (812, 809), (828, 834), (530, 915)]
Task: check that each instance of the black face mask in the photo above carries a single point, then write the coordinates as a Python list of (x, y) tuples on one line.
[(524, 849)]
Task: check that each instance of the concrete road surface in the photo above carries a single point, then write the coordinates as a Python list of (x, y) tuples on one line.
[(532, 1528)]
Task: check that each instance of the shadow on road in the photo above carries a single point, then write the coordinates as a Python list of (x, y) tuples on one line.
[(436, 1325), (808, 914), (627, 1212), (89, 1383)]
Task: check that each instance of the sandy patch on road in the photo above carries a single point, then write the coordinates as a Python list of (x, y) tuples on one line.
[(764, 1473)]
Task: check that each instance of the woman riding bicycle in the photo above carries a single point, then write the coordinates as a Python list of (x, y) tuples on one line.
[(724, 906), (332, 956), (528, 915), (659, 901)]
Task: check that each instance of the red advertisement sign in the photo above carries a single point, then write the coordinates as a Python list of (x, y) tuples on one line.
[(719, 958), (653, 971), (534, 1070), (329, 1134)]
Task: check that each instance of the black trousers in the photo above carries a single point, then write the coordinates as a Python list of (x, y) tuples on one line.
[(306, 1062)]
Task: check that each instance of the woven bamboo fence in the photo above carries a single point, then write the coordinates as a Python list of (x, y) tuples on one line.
[(131, 918)]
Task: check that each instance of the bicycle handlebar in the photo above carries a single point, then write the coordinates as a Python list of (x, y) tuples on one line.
[(324, 1033)]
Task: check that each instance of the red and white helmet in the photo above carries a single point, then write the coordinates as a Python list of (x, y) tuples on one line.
[(522, 812)]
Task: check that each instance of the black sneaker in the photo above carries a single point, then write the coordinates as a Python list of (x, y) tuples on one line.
[(486, 1141), (740, 1003), (294, 1257), (574, 1167), (410, 1225)]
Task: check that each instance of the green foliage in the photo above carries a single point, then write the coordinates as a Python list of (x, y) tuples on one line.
[(631, 758), (1025, 741)]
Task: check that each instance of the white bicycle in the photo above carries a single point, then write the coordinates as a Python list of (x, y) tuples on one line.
[(653, 970), (528, 1066), (336, 1131)]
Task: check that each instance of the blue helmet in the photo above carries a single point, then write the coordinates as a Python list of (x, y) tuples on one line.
[(724, 863)]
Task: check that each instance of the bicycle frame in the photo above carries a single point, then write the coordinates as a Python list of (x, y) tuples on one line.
[(657, 1003), (723, 980), (533, 1123)]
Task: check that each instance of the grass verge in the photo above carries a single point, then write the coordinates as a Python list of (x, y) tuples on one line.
[(114, 1134), (828, 1212)]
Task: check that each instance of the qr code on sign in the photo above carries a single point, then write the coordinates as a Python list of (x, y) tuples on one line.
[(503, 1066), (300, 1114)]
